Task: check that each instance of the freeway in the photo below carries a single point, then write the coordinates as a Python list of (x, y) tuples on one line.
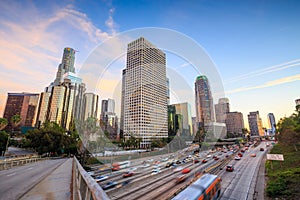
[(240, 183), (15, 182), (143, 184)]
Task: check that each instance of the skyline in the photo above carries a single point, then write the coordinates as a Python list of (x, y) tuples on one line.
[(255, 45)]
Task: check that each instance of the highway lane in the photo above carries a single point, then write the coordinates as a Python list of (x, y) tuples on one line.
[(16, 181), (240, 183)]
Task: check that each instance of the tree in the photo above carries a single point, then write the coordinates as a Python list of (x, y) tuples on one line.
[(200, 136), (15, 120), (3, 141), (288, 131), (51, 138), (3, 123)]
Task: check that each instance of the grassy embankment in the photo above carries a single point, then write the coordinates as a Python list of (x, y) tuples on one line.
[(284, 180)]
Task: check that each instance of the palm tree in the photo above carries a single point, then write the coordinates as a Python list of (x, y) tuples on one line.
[(15, 121), (3, 123)]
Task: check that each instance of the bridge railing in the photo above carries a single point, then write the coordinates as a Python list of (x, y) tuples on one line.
[(9, 163), (84, 186)]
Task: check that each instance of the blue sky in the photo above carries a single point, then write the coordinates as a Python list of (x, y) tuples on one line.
[(255, 45)]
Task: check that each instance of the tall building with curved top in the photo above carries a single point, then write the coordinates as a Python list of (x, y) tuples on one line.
[(204, 101), (144, 93), (66, 65)]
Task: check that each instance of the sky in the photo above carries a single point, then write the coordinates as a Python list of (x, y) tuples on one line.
[(254, 45)]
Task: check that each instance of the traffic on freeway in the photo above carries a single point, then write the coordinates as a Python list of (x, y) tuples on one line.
[(231, 171)]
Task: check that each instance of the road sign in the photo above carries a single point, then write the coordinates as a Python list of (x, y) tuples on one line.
[(275, 157)]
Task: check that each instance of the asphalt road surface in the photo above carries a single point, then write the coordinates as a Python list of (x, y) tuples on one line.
[(15, 182)]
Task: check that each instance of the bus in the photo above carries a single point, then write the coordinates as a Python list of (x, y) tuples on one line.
[(207, 187), (120, 165)]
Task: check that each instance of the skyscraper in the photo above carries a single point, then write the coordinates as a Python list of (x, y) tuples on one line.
[(221, 109), (42, 108), (145, 92), (272, 123), (235, 123), (204, 101), (184, 109), (90, 105), (297, 101), (23, 104), (66, 101), (255, 124), (67, 65)]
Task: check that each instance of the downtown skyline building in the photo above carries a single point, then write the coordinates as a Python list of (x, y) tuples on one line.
[(65, 100), (90, 106), (23, 104), (221, 110), (272, 124), (108, 118), (255, 124), (144, 93), (235, 123), (204, 102), (297, 101)]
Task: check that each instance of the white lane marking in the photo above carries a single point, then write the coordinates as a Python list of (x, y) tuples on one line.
[(29, 168), (11, 174)]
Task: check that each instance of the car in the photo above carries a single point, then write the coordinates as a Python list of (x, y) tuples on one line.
[(237, 158), (169, 164), (240, 155), (267, 145), (208, 156), (146, 165), (155, 171), (180, 179), (125, 182), (177, 169), (196, 161), (229, 168), (204, 161), (243, 150), (127, 174), (185, 170), (261, 149), (253, 155), (227, 156), (178, 162), (109, 185), (100, 178), (216, 158)]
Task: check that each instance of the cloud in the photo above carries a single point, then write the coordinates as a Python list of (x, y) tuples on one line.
[(185, 64), (32, 41), (267, 84), (267, 70), (110, 23)]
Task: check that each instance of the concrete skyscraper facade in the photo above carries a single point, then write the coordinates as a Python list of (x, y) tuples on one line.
[(221, 109), (145, 93), (255, 124), (204, 101), (90, 105), (235, 123), (23, 104)]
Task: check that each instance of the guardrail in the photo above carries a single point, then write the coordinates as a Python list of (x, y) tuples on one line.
[(84, 186), (9, 163)]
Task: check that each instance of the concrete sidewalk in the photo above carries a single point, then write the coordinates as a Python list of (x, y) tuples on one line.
[(56, 185)]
